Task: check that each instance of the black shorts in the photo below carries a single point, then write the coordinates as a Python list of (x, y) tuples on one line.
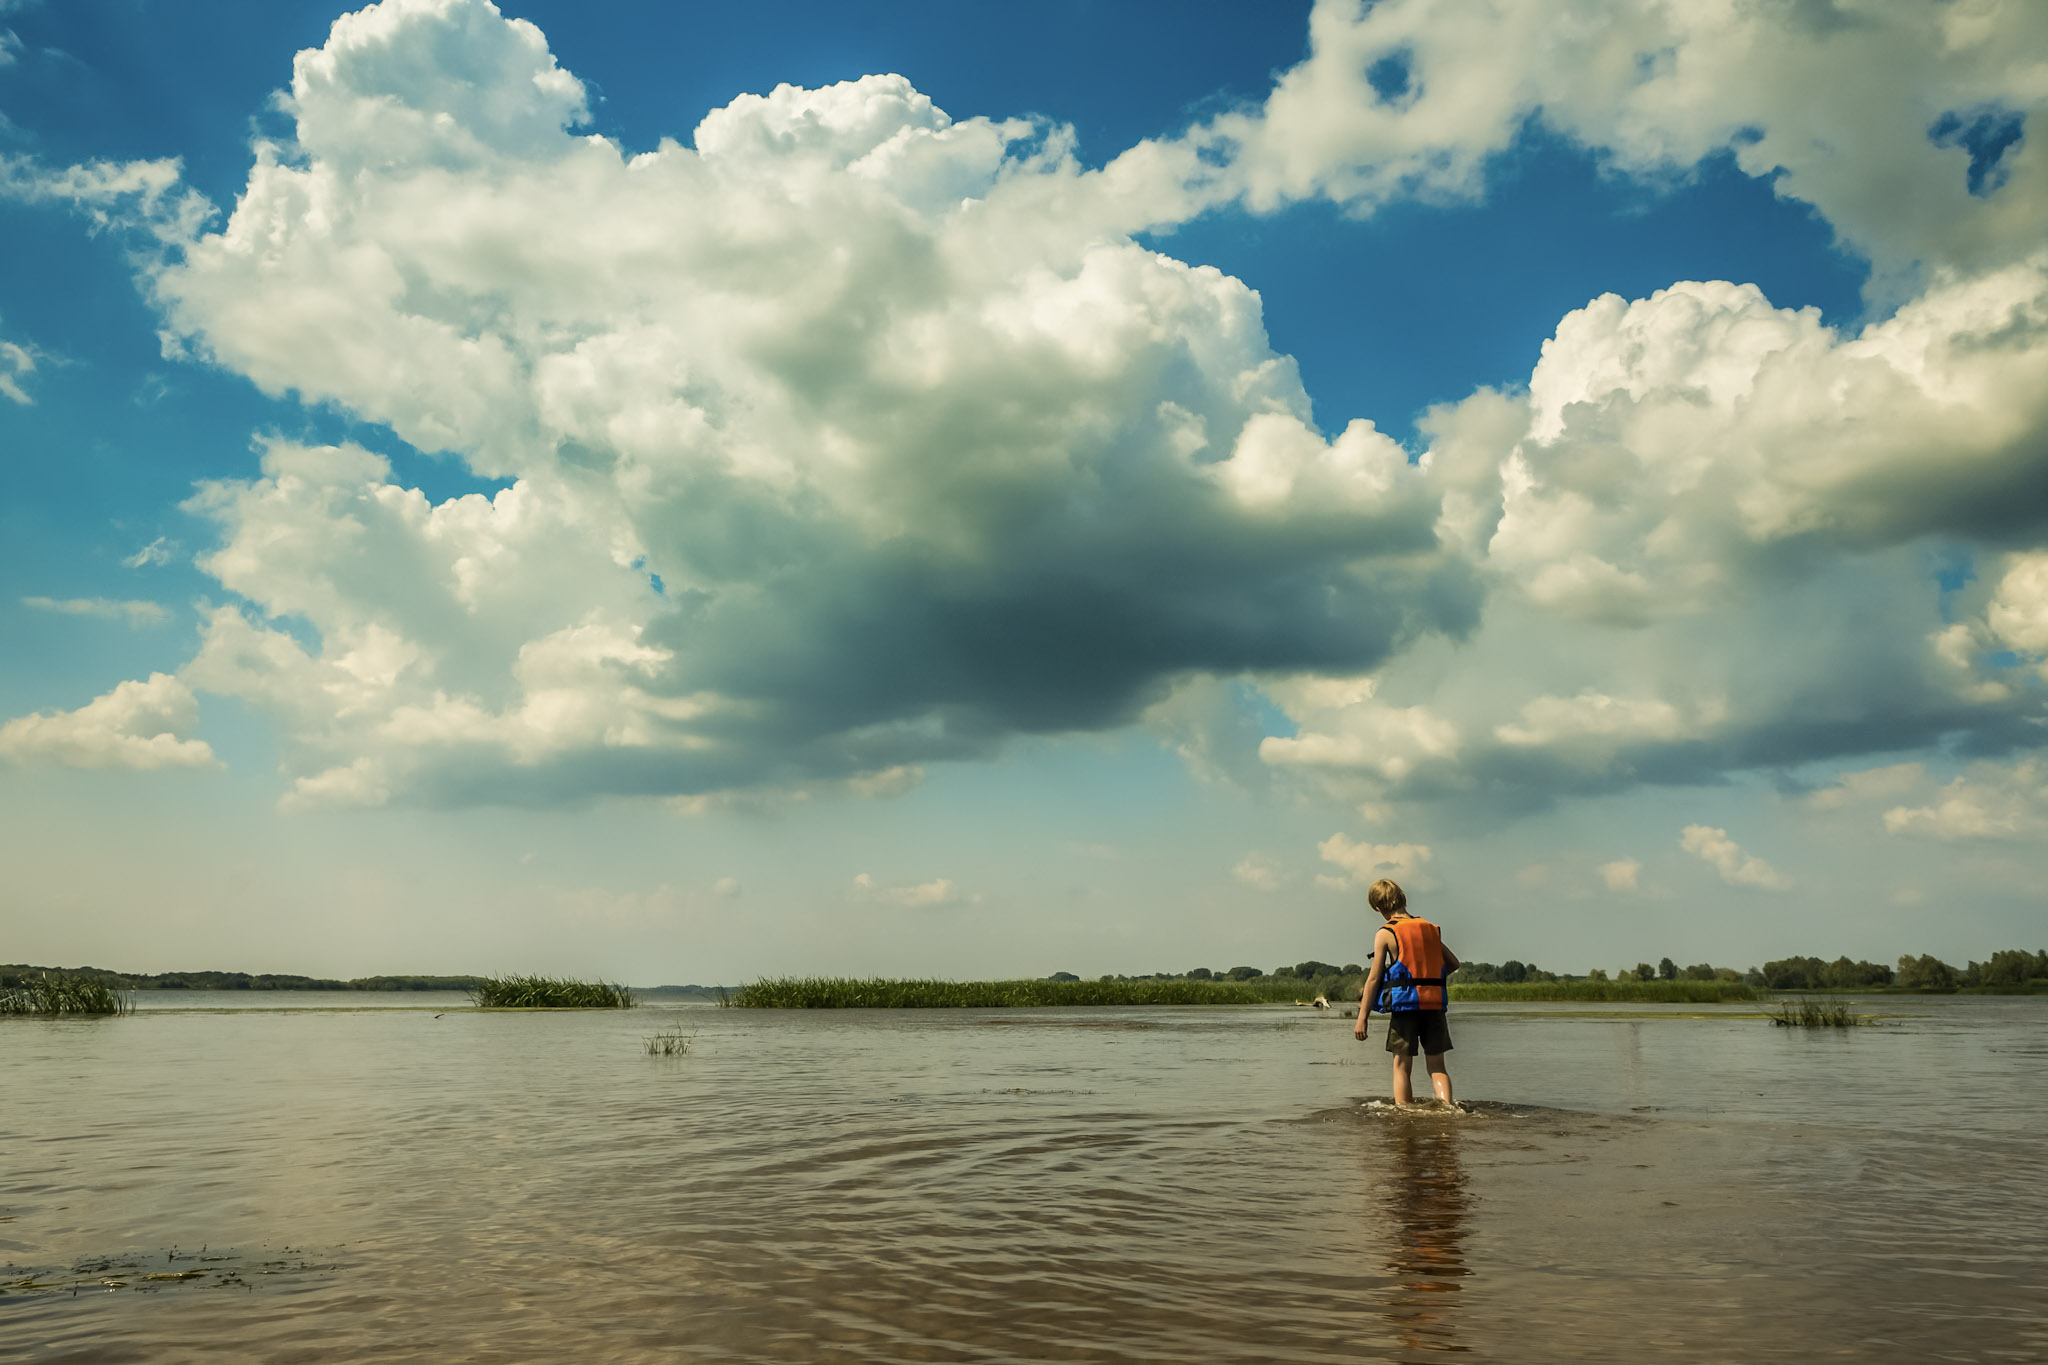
[(1413, 1031)]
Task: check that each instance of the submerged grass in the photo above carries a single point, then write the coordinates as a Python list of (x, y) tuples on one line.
[(669, 1043), (548, 993), (1814, 1014), (1647, 992), (826, 993), (49, 997)]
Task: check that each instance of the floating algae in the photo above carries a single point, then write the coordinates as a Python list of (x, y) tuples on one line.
[(134, 1273)]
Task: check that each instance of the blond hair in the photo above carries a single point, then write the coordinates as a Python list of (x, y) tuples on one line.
[(1386, 897)]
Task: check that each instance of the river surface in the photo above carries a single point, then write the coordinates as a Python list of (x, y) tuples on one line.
[(407, 1178)]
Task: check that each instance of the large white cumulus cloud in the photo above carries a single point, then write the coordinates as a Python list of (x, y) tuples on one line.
[(830, 454), (140, 724), (852, 436), (1711, 531), (1893, 119)]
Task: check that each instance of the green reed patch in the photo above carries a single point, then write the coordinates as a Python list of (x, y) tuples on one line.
[(1814, 1014), (548, 993), (50, 997), (1339, 993), (1644, 992), (670, 1043), (828, 993)]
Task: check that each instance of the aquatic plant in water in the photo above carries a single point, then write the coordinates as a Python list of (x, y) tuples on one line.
[(669, 1043), (548, 993), (1340, 992), (50, 997), (1814, 1014)]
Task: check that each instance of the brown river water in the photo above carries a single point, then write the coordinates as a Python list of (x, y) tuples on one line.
[(388, 1182)]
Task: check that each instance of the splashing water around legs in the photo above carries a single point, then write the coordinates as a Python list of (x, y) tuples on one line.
[(1439, 1078), (1404, 1083)]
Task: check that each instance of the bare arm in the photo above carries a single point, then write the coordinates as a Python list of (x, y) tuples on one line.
[(1382, 942), (1450, 959)]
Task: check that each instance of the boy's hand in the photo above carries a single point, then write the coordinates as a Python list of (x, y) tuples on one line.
[(1359, 1033)]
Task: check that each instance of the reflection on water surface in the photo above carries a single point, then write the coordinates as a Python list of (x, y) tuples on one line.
[(1166, 1185), (1424, 1201)]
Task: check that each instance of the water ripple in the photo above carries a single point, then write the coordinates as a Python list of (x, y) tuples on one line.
[(1057, 1186)]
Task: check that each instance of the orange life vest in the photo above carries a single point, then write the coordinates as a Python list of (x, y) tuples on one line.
[(1414, 980)]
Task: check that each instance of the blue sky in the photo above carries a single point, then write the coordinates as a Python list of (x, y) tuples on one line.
[(1088, 495)]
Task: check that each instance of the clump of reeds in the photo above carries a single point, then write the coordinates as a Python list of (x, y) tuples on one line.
[(816, 993), (49, 997), (1648, 992), (1814, 1014), (669, 1043), (548, 993)]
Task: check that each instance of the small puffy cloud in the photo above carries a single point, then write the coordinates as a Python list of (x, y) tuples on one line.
[(1363, 864), (1871, 784), (137, 725), (2018, 614), (1993, 803), (1713, 847), (886, 783), (1622, 874), (940, 891), (1257, 871), (361, 783), (727, 888), (17, 363), (147, 196), (10, 46), (1343, 727), (134, 613), (159, 551), (1553, 722)]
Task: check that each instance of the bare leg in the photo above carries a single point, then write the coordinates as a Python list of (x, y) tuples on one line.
[(1404, 1084), (1439, 1079)]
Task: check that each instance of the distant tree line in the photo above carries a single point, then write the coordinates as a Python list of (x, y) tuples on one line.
[(1667, 970), (2010, 969), (1300, 971), (1512, 972), (18, 974), (1812, 974), (2007, 970)]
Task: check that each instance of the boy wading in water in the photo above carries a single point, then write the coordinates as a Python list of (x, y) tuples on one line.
[(1409, 967)]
